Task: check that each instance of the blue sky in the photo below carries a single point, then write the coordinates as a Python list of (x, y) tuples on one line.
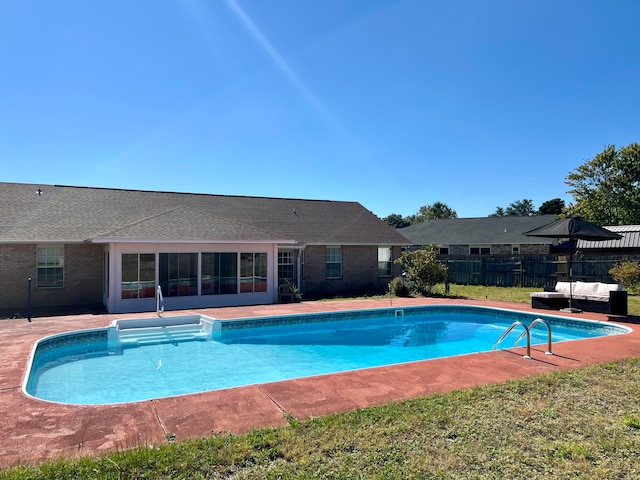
[(393, 104)]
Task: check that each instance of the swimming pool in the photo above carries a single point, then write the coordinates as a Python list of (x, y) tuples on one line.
[(95, 367)]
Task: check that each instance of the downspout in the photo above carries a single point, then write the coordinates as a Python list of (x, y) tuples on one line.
[(299, 269)]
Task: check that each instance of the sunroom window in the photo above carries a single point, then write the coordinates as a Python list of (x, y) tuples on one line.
[(253, 272), (138, 275), (219, 273)]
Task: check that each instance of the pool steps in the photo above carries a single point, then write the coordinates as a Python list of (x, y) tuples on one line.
[(144, 331)]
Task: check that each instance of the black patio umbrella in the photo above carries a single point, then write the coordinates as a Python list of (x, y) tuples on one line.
[(573, 228)]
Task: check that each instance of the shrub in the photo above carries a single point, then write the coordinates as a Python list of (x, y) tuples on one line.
[(628, 274), (398, 288), (423, 270)]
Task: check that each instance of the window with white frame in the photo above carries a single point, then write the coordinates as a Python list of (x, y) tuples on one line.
[(253, 272), (138, 275), (384, 261), (515, 249), (178, 274), (219, 273), (334, 262), (285, 265), (50, 266)]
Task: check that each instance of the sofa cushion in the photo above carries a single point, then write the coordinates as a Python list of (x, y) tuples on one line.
[(591, 298), (550, 294), (562, 287), (586, 288), (605, 288)]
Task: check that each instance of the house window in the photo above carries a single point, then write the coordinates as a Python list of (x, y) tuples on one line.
[(480, 250), (384, 261), (253, 272), (219, 273), (515, 249), (443, 250), (334, 262), (178, 274), (138, 275), (285, 265), (50, 267)]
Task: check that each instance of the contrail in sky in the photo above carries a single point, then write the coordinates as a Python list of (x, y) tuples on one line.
[(277, 58)]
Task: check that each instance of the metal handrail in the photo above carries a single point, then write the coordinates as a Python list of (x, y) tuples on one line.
[(159, 302), (539, 321), (526, 332)]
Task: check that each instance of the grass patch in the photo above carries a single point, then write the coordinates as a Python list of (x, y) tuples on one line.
[(511, 294), (572, 424), (500, 294)]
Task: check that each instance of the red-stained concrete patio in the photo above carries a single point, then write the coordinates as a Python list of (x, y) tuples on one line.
[(35, 430)]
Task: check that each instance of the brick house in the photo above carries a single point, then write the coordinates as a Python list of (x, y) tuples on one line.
[(481, 236), (85, 246)]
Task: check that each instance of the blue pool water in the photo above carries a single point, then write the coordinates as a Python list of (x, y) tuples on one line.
[(83, 368)]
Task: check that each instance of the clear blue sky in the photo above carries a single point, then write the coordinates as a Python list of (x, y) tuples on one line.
[(393, 104)]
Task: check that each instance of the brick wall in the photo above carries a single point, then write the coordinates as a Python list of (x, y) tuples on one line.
[(506, 249), (534, 249), (359, 272), (82, 278)]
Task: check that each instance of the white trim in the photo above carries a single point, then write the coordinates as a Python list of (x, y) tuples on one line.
[(356, 244), (116, 304), (175, 241)]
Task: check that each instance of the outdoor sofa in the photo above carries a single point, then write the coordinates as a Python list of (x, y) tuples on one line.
[(587, 296)]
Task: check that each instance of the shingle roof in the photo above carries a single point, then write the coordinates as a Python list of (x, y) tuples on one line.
[(477, 231), (79, 214)]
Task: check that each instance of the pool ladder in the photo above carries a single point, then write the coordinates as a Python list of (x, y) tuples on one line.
[(159, 302), (527, 333)]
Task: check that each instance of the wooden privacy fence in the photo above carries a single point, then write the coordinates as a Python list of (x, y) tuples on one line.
[(529, 271)]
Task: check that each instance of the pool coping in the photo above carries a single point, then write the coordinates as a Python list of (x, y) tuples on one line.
[(36, 430)]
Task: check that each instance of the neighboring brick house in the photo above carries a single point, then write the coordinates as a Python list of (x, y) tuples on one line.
[(482, 236), (88, 246)]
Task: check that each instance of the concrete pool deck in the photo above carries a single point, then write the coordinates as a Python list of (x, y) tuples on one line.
[(35, 430)]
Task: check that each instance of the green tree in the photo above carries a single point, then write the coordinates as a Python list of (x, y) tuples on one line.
[(396, 220), (433, 212), (499, 212), (519, 208), (554, 206), (422, 269), (606, 188)]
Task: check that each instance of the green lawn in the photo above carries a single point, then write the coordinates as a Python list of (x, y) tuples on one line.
[(574, 424), (512, 294)]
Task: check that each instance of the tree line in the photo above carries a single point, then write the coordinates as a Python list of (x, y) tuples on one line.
[(605, 189)]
